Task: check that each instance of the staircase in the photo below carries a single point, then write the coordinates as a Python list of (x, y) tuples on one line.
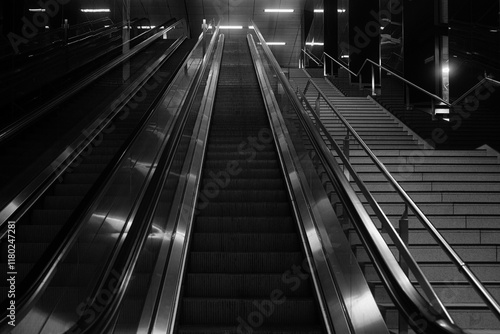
[(245, 245), (458, 190)]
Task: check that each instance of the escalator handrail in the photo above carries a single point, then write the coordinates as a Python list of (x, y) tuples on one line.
[(134, 240), (397, 283), (58, 42), (65, 238), (340, 317), (408, 82), (21, 124), (26, 197), (433, 231)]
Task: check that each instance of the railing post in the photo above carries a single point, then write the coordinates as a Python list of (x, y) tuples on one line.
[(346, 151), (360, 81), (404, 234), (373, 81), (407, 96), (317, 106)]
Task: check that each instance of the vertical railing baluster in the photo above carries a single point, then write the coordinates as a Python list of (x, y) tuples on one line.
[(404, 234)]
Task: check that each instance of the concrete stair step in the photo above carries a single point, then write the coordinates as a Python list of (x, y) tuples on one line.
[(453, 237), (465, 315), (437, 197), (438, 271), (449, 292), (434, 254), (448, 209)]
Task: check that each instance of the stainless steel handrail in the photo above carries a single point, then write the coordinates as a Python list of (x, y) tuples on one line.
[(386, 223), (392, 73), (480, 83), (26, 300), (151, 203), (443, 244), (312, 57), (160, 315)]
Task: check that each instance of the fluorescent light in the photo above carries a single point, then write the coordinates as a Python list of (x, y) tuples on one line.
[(37, 10), (231, 27), (446, 69), (276, 43), (250, 27), (279, 10), (98, 10), (146, 27), (341, 10), (319, 10), (314, 43), (344, 56)]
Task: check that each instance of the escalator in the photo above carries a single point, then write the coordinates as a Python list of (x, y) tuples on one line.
[(53, 214), (244, 270)]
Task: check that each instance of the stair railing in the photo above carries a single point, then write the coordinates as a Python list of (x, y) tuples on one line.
[(409, 301), (409, 205), (473, 88), (373, 64), (312, 57)]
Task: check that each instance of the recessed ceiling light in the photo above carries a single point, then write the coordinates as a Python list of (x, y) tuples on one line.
[(341, 10), (98, 10), (279, 10)]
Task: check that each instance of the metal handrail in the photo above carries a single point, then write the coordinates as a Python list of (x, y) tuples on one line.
[(396, 281), (464, 95), (312, 57), (434, 96), (35, 287), (410, 261), (442, 243)]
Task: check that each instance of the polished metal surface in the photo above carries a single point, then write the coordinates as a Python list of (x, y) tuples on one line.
[(108, 221), (14, 128), (345, 298), (25, 198), (160, 312)]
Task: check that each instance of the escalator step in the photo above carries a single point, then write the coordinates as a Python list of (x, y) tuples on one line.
[(36, 233), (232, 263), (245, 242), (238, 209), (202, 311), (250, 196), (243, 285), (50, 217), (247, 328), (245, 224), (61, 202), (74, 189), (250, 183)]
